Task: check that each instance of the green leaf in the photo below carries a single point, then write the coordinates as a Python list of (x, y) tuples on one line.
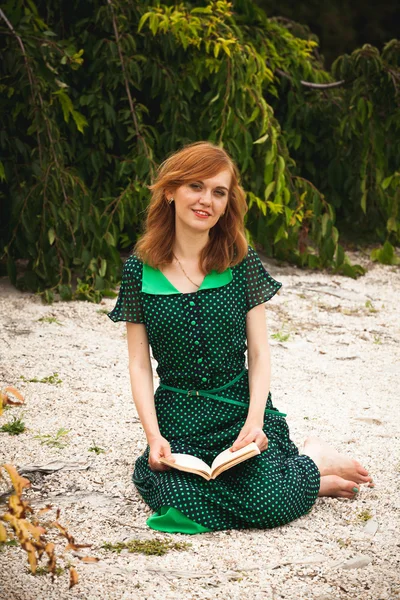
[(386, 182), (51, 235), (2, 172), (109, 239), (261, 140), (324, 223), (79, 119), (268, 190), (65, 292), (103, 267), (143, 20), (363, 202)]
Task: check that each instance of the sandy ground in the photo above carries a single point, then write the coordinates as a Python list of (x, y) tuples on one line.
[(337, 375)]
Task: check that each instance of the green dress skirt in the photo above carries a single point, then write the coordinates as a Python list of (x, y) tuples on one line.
[(199, 342)]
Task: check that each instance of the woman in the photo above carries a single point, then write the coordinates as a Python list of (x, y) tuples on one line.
[(195, 292)]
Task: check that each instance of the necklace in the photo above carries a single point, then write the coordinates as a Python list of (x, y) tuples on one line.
[(184, 272)]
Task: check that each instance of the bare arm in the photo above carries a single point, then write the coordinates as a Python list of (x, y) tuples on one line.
[(259, 379), (141, 376)]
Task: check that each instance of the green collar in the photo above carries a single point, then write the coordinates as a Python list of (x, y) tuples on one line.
[(155, 282)]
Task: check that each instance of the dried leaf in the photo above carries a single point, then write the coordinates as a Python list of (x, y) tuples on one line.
[(73, 577), (10, 389), (45, 509), (30, 549), (3, 533), (76, 547), (50, 551), (18, 482), (369, 420), (358, 562), (88, 559), (371, 527)]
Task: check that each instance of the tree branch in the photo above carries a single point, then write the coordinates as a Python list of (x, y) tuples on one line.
[(310, 84)]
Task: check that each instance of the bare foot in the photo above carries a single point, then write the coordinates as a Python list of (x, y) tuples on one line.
[(330, 462), (337, 487)]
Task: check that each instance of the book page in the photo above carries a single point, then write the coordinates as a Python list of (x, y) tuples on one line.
[(226, 457), (188, 462)]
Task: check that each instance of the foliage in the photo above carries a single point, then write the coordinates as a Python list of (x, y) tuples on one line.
[(96, 449), (148, 547), (341, 25), (50, 379), (30, 533), (99, 93), (58, 440), (14, 427)]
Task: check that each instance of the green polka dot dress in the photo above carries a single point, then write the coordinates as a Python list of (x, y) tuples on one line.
[(199, 342)]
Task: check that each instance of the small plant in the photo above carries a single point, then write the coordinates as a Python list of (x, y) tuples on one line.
[(280, 336), (96, 449), (14, 427), (8, 544), (45, 571), (49, 320), (377, 339), (51, 379), (370, 307), (364, 515), (59, 440), (148, 547), (344, 543), (356, 312), (103, 311)]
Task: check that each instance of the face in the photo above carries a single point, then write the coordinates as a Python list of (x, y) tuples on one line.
[(200, 203)]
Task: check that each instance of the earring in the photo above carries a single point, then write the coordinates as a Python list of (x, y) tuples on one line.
[(170, 200)]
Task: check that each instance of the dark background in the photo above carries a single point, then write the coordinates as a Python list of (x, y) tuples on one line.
[(341, 25)]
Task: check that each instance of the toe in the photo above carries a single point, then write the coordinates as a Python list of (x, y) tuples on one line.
[(360, 469)]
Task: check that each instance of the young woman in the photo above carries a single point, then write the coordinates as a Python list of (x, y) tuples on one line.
[(194, 291)]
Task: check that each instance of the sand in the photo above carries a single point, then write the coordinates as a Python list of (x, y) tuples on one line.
[(335, 371)]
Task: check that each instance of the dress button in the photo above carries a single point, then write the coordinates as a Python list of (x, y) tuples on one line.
[(204, 378), (197, 342), (199, 360), (191, 303), (193, 322)]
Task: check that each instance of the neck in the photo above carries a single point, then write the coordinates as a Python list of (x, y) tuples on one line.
[(188, 244)]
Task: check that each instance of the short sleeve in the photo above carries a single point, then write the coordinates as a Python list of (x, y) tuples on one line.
[(129, 304), (260, 286)]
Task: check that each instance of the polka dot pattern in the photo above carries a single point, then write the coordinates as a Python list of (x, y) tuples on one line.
[(199, 342)]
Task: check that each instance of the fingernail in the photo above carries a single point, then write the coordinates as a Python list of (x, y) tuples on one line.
[(355, 490)]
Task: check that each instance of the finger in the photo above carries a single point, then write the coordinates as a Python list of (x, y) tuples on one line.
[(262, 442), (166, 453), (241, 443), (157, 466)]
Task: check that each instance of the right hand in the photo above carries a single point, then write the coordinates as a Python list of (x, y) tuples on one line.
[(159, 448)]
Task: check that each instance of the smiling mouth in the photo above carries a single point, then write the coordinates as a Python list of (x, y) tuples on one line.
[(202, 213)]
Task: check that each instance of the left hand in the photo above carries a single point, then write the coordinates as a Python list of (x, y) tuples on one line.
[(250, 433)]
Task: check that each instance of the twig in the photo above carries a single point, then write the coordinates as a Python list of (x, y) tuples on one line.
[(310, 84), (128, 92)]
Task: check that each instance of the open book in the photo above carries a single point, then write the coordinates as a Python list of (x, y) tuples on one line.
[(225, 460)]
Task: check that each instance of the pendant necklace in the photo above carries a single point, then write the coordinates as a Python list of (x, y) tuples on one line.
[(184, 272)]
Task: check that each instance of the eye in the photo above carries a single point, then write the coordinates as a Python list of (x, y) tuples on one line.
[(195, 186), (220, 193)]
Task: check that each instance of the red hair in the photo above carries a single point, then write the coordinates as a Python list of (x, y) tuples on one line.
[(227, 245)]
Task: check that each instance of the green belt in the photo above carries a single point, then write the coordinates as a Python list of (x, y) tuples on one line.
[(211, 394)]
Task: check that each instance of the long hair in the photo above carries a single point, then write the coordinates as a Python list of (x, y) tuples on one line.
[(227, 245)]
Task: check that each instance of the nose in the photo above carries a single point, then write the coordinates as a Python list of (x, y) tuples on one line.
[(206, 197)]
